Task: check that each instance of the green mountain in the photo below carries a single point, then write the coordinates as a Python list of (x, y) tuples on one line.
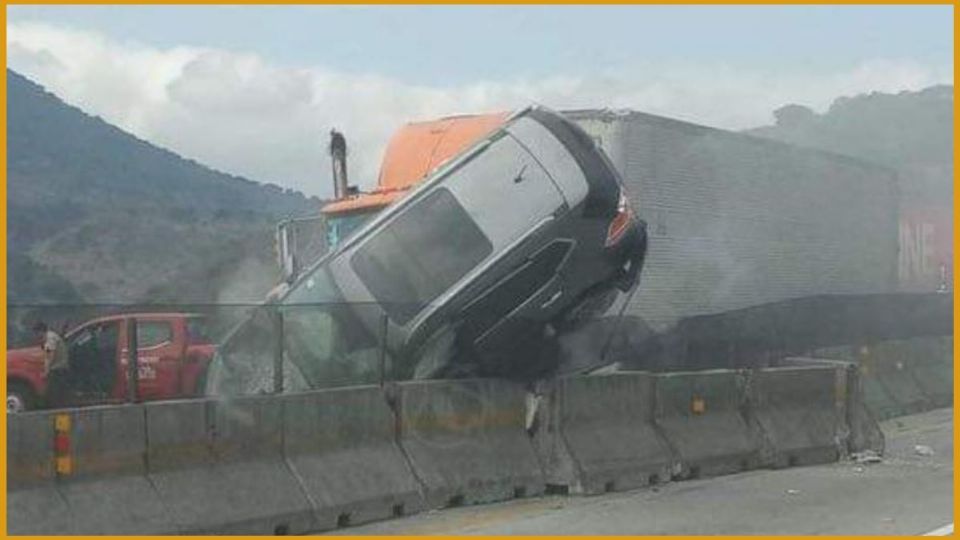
[(96, 215), (909, 131)]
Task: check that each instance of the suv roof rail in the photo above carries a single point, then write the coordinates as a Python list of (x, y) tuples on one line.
[(520, 112)]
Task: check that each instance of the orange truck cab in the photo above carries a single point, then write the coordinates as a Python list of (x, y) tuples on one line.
[(413, 152)]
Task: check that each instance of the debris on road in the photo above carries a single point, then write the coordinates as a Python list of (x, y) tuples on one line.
[(923, 450), (866, 457)]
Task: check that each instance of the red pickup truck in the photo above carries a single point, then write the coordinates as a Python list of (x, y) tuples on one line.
[(173, 352)]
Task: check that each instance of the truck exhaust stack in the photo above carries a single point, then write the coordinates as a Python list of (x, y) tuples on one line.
[(338, 160)]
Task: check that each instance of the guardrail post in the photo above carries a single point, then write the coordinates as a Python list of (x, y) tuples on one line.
[(133, 364), (277, 351), (383, 348)]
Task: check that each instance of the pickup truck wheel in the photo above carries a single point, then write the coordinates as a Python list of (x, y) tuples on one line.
[(19, 398)]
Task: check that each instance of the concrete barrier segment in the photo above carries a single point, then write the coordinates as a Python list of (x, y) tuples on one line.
[(108, 491), (219, 469), (543, 426), (893, 363), (342, 445), (802, 412), (607, 424), (699, 414), (467, 440), (863, 431), (34, 504), (876, 397), (931, 364)]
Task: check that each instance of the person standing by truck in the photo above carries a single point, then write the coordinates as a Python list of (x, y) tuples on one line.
[(56, 364)]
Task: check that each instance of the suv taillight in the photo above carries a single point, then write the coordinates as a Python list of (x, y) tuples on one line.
[(620, 223)]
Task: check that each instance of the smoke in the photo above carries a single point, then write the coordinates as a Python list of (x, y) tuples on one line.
[(240, 113), (248, 282)]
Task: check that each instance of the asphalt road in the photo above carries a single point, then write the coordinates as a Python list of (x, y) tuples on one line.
[(909, 492)]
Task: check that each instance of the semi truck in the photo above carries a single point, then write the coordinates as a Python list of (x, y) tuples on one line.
[(736, 221), (467, 274)]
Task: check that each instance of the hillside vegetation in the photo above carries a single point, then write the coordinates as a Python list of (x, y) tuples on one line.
[(96, 215), (908, 131)]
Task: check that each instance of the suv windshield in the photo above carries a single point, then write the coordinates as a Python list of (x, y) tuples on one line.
[(324, 343), (323, 335)]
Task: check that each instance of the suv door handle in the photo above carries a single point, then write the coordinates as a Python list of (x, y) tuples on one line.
[(552, 300)]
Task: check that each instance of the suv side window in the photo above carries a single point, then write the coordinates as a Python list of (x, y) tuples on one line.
[(153, 333)]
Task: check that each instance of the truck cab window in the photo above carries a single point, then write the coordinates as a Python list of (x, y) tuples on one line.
[(153, 333), (341, 226), (92, 355)]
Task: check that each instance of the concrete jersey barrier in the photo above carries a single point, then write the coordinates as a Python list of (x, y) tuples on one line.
[(901, 376), (218, 467), (467, 442), (606, 422), (34, 505), (108, 491), (863, 431), (876, 397), (699, 414), (802, 413), (99, 485), (248, 451), (314, 461), (931, 362), (892, 364), (342, 445)]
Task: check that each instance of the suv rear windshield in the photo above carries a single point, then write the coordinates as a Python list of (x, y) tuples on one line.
[(420, 255)]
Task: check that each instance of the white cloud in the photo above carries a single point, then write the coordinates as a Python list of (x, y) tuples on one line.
[(240, 113)]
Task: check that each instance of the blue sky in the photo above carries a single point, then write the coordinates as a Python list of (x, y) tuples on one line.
[(252, 90), (454, 44)]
